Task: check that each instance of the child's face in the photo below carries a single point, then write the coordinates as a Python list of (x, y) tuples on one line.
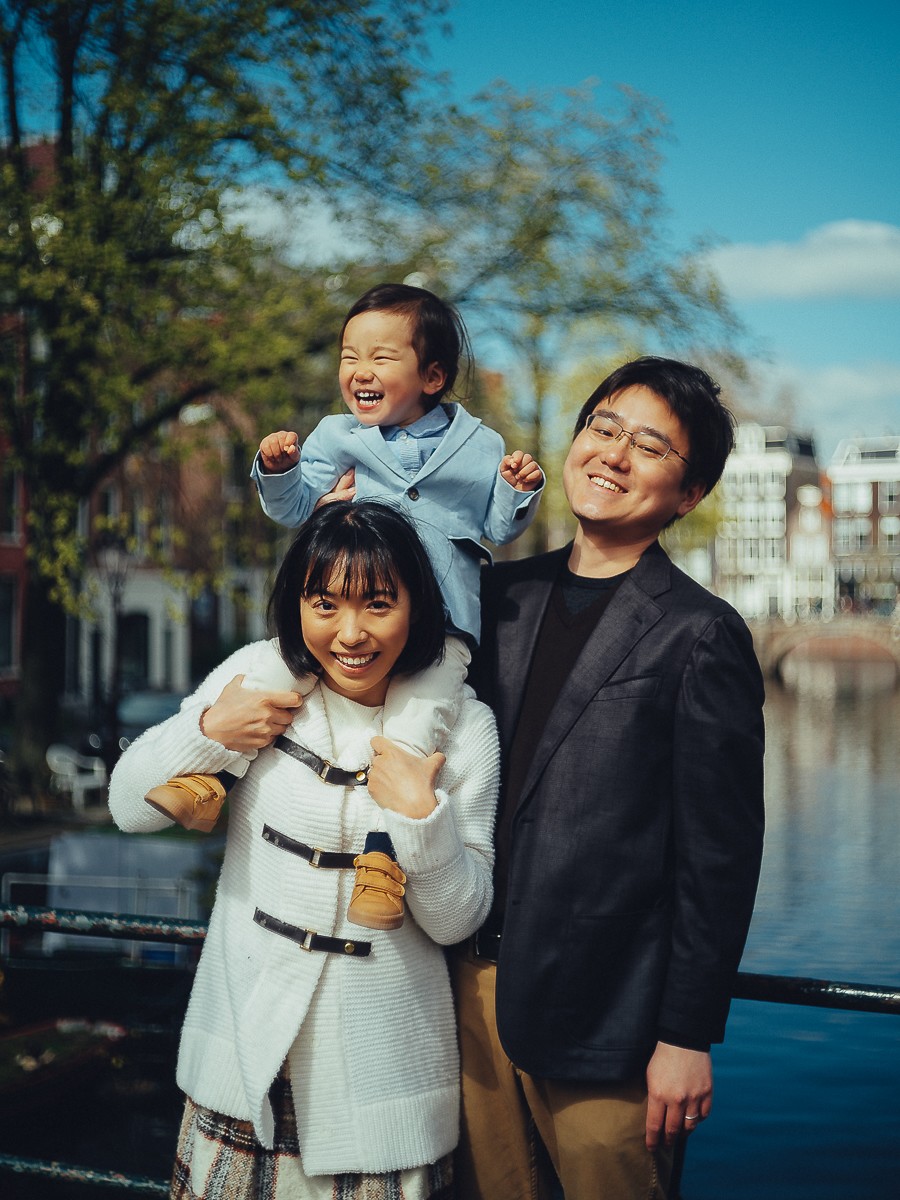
[(380, 378)]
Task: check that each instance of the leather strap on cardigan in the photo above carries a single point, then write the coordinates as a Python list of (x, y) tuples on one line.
[(322, 767), (316, 858), (308, 939)]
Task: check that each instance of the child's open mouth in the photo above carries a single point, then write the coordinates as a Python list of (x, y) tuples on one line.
[(368, 399)]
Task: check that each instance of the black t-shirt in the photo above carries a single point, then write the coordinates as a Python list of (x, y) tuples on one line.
[(576, 605)]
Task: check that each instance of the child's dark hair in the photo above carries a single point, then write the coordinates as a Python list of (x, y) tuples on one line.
[(372, 547), (693, 397), (438, 332)]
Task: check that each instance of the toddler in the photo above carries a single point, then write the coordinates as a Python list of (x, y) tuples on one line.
[(408, 446)]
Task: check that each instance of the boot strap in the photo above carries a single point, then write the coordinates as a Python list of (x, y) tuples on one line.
[(308, 939), (326, 859)]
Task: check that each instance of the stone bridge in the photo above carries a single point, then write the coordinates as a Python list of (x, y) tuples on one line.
[(845, 636)]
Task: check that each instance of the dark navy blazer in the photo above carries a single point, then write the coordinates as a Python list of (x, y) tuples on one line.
[(637, 839)]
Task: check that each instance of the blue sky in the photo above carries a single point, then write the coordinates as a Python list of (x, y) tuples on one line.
[(786, 126)]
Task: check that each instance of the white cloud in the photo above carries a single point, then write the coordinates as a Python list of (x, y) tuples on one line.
[(305, 230), (831, 402), (842, 259)]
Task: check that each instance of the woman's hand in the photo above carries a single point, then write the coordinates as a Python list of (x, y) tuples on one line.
[(400, 781), (344, 489), (246, 720)]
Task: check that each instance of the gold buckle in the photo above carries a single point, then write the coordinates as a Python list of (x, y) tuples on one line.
[(316, 855), (324, 769), (306, 944)]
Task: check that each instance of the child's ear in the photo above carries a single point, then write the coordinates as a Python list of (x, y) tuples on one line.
[(433, 378)]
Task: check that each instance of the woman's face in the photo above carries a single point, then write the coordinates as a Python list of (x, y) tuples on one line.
[(357, 639)]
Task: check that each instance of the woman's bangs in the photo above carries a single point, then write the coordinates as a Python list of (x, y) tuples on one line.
[(352, 571)]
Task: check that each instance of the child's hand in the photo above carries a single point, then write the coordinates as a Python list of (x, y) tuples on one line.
[(279, 452), (521, 471)]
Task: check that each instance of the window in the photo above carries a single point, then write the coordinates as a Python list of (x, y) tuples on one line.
[(8, 620), (889, 533), (889, 496), (10, 505), (852, 497), (842, 536)]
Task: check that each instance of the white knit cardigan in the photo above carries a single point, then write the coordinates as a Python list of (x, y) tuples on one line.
[(370, 1041)]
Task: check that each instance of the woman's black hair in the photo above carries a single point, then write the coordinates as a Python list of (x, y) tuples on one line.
[(438, 332), (373, 547)]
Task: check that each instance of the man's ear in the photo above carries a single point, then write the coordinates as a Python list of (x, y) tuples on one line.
[(690, 498)]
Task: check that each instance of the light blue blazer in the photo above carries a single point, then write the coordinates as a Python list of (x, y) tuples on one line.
[(457, 498)]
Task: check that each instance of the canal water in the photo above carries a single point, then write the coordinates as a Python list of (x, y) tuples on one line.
[(806, 1100)]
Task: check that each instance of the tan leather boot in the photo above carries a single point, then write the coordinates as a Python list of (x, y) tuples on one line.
[(194, 801), (377, 900)]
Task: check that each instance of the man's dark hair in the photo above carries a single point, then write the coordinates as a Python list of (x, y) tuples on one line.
[(373, 547), (693, 396), (438, 333)]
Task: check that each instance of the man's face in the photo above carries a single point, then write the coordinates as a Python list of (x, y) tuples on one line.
[(617, 491)]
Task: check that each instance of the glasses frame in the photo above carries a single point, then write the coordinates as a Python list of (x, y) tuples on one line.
[(632, 437)]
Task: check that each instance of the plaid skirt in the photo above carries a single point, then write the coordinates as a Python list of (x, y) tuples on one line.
[(219, 1158)]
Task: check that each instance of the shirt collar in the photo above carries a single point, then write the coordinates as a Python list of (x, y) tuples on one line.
[(434, 421)]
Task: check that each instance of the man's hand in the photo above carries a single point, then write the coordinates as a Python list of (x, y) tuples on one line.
[(521, 471), (679, 1086), (246, 720), (279, 452)]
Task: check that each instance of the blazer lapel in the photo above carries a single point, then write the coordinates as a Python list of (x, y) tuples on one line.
[(372, 449), (631, 613), (460, 429), (518, 623)]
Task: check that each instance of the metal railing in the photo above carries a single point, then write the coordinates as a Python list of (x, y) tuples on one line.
[(778, 989)]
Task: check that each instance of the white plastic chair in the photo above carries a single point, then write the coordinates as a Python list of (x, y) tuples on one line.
[(75, 773)]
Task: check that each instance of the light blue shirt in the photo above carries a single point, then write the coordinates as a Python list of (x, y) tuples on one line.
[(414, 444)]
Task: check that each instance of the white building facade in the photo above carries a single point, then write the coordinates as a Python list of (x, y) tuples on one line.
[(865, 494), (772, 554)]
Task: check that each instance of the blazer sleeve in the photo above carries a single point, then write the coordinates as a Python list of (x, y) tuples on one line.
[(510, 511), (718, 820), (290, 497)]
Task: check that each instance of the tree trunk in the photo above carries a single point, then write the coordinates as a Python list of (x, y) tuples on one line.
[(37, 718)]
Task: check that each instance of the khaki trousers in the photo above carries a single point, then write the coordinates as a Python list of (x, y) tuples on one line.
[(519, 1132)]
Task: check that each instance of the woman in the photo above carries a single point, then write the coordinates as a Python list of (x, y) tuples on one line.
[(316, 1064)]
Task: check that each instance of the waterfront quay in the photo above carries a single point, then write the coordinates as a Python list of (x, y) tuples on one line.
[(804, 1105)]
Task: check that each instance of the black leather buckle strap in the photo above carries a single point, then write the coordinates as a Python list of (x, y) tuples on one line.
[(308, 939), (486, 945), (316, 858), (325, 770)]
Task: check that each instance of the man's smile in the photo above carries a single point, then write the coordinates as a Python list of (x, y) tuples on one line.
[(608, 484)]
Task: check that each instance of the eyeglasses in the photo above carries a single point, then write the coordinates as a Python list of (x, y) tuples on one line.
[(650, 445)]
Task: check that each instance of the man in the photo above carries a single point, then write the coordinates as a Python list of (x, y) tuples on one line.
[(629, 704)]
